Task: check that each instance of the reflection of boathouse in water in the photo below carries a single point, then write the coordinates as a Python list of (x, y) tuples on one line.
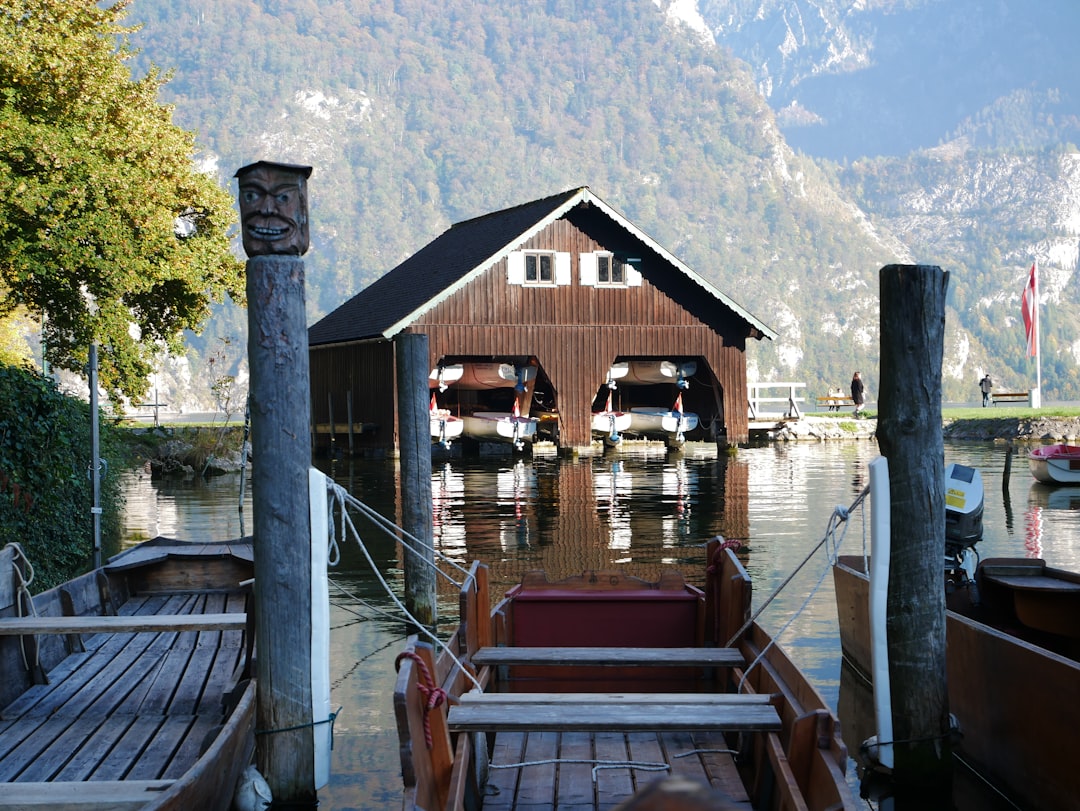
[(566, 293), (586, 515)]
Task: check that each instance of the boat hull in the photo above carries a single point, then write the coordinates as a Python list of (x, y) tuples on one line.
[(602, 653), (171, 694), (1055, 464), (650, 372), (1009, 695), (662, 422), (499, 426), (479, 376), (610, 423), (446, 427)]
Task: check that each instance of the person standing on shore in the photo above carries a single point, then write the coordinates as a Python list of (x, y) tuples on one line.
[(986, 385), (857, 393)]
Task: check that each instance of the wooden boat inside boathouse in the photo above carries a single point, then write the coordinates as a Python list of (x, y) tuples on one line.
[(564, 290)]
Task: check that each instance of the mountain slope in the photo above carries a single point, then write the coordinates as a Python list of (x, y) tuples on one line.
[(417, 114)]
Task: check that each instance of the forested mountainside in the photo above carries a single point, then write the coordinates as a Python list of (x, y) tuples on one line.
[(417, 114)]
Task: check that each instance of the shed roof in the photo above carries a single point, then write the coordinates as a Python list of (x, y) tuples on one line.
[(464, 251)]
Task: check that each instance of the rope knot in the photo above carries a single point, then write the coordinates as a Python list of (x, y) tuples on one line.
[(432, 694), (716, 562)]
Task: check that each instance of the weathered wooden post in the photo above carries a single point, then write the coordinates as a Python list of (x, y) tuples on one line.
[(414, 439), (909, 435), (273, 209)]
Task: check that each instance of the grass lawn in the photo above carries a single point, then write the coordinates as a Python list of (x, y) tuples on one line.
[(973, 413)]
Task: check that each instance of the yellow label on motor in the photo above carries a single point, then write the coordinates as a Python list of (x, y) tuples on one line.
[(955, 498)]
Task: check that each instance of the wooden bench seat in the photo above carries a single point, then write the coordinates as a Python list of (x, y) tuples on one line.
[(149, 623), (586, 712), (835, 402), (1009, 397), (608, 657), (82, 795)]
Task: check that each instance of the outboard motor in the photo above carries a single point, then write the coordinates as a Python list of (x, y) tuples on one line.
[(963, 521)]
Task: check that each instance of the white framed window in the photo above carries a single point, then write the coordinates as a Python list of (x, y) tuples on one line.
[(538, 268), (605, 269)]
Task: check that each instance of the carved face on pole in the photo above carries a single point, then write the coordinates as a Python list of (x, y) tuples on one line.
[(273, 208)]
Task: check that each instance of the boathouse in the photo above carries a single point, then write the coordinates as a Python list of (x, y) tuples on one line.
[(553, 301)]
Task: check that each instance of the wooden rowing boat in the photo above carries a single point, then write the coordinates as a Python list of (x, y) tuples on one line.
[(1013, 664), (128, 687), (1055, 464), (596, 686)]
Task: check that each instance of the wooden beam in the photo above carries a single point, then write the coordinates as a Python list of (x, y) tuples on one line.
[(151, 623), (609, 657)]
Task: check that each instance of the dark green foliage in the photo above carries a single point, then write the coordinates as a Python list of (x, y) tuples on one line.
[(45, 490)]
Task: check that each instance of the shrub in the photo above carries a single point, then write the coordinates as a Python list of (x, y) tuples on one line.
[(45, 488)]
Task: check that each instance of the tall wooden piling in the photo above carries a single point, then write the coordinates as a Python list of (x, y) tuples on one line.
[(281, 452), (414, 439), (909, 435)]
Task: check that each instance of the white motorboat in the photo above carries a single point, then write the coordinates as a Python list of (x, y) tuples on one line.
[(500, 426), (476, 376), (442, 377), (610, 424), (670, 423), (646, 372), (654, 421), (445, 427)]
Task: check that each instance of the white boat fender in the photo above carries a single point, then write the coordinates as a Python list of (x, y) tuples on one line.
[(321, 716), (252, 792)]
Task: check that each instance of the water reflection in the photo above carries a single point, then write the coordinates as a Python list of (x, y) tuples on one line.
[(640, 511)]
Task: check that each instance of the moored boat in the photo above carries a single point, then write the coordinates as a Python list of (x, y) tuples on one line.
[(500, 426), (608, 672), (130, 686), (1055, 464), (1012, 658), (1014, 622), (442, 377), (609, 425), (671, 424), (445, 426), (647, 372)]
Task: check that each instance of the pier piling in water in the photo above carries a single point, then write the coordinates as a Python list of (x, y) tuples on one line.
[(910, 437)]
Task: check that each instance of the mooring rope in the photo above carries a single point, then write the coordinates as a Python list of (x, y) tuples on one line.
[(834, 532), (342, 498), (22, 592), (408, 541)]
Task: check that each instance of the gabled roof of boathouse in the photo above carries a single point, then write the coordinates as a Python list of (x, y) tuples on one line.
[(468, 249)]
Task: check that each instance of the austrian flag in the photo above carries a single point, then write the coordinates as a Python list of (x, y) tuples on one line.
[(1029, 304)]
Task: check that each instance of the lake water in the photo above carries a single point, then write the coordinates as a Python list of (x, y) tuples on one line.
[(640, 510)]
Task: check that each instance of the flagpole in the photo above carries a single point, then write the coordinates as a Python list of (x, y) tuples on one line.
[(1038, 347)]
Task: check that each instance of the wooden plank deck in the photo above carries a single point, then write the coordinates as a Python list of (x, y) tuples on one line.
[(560, 770), (136, 706)]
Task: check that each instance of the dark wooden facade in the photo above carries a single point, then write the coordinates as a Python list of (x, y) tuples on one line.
[(573, 332)]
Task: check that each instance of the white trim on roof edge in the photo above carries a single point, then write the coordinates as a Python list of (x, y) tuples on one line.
[(581, 195)]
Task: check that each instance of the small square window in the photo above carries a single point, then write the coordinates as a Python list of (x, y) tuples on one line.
[(609, 270), (539, 268)]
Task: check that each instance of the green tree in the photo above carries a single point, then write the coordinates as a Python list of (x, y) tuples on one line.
[(106, 227)]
